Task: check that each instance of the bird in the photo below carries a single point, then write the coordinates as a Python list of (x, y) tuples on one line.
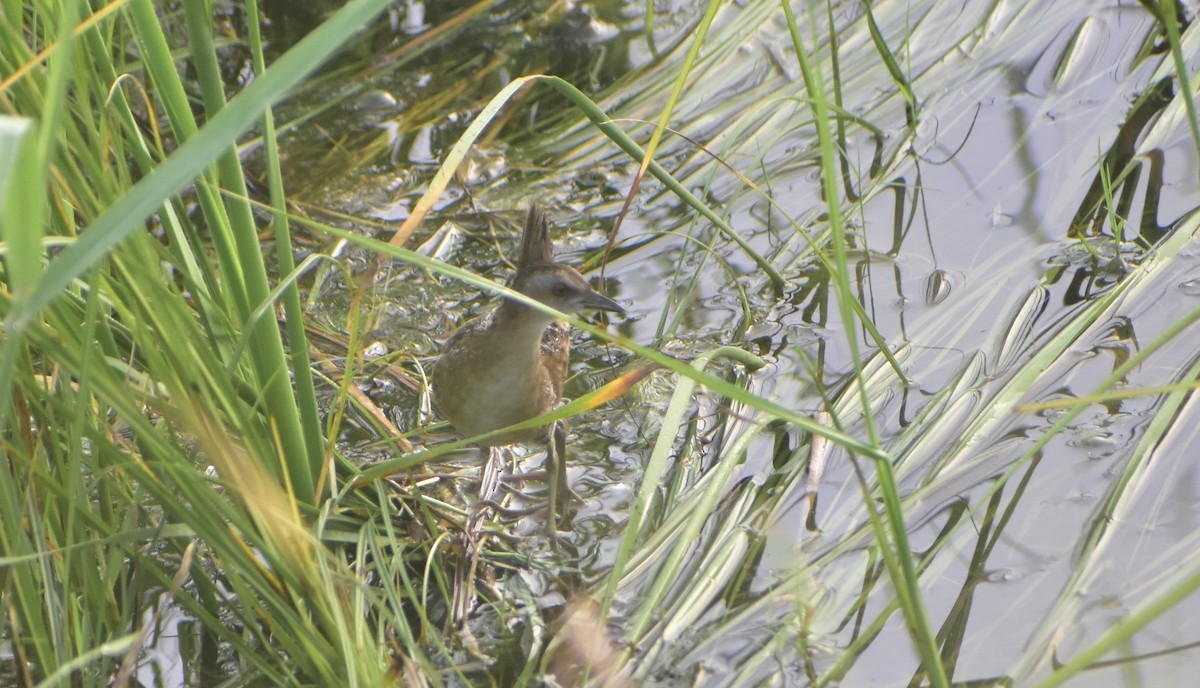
[(508, 365)]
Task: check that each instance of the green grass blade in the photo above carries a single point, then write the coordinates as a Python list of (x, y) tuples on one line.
[(190, 159)]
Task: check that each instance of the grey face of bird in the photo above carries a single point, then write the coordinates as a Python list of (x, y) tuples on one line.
[(539, 277), (563, 289)]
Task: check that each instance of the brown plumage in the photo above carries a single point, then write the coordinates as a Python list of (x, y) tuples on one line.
[(509, 364)]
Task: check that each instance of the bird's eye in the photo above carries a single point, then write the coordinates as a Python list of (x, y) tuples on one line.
[(559, 290)]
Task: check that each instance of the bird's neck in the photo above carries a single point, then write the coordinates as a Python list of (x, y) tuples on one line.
[(523, 324)]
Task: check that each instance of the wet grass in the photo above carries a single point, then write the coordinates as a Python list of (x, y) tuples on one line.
[(149, 334)]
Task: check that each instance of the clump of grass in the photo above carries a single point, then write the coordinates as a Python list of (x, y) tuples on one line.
[(134, 359)]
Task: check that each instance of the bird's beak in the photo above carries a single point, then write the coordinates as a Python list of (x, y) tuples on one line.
[(597, 301)]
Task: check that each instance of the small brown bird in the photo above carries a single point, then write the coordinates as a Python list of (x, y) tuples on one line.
[(508, 365)]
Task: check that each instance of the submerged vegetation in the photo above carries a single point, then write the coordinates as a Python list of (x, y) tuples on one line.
[(915, 333)]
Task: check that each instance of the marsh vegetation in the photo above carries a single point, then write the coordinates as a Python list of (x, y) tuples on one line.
[(950, 244)]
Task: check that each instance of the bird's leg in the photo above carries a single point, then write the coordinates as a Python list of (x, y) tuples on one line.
[(489, 493), (556, 476)]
